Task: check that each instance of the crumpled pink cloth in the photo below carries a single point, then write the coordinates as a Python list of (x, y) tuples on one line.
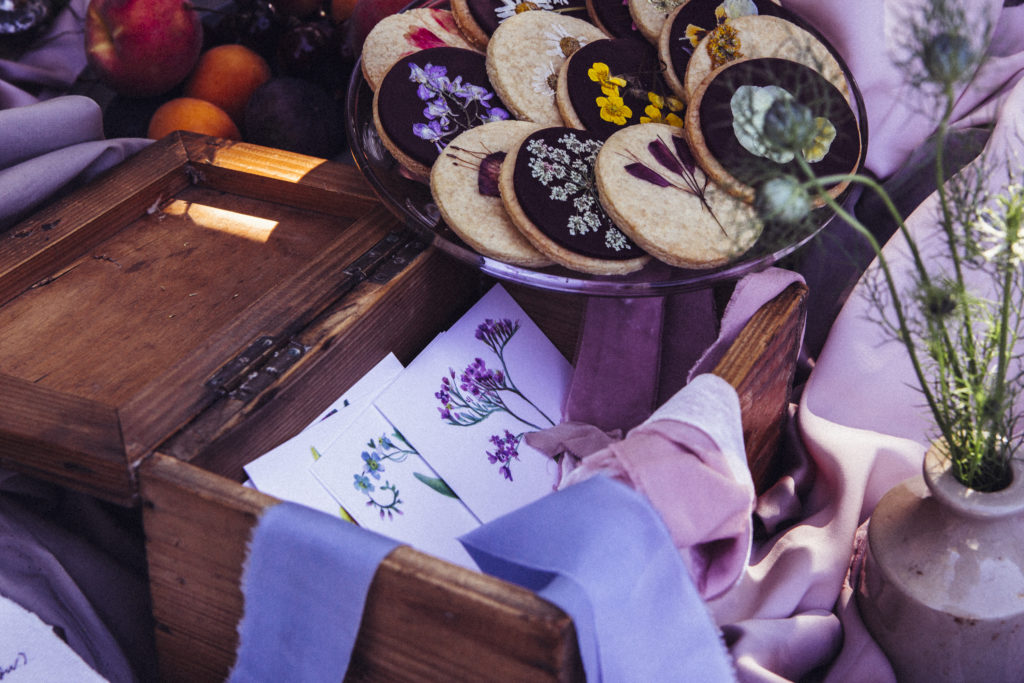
[(689, 461)]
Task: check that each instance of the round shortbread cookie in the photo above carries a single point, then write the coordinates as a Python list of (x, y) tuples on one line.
[(464, 183), (650, 15), (478, 19), (725, 124), (427, 99), (524, 56), (608, 84), (547, 186), (398, 35), (650, 185), (693, 20), (613, 17), (762, 36)]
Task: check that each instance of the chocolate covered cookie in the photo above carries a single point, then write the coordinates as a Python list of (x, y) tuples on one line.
[(609, 84), (725, 124), (398, 35), (464, 184), (547, 186), (478, 19), (613, 17), (650, 185), (427, 99), (760, 36), (693, 21), (525, 55)]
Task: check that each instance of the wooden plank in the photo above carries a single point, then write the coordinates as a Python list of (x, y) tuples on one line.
[(36, 251), (278, 176), (425, 619), (760, 365)]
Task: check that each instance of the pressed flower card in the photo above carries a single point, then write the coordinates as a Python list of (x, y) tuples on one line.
[(467, 401), (284, 470), (384, 485)]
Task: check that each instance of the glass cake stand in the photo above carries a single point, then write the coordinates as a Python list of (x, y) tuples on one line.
[(413, 203)]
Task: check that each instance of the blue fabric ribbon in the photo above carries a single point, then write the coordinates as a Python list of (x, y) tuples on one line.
[(600, 552), (305, 584)]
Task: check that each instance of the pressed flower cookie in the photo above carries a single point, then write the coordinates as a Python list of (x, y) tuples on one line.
[(608, 84), (652, 188), (755, 36), (427, 99), (725, 124), (525, 55), (694, 20), (613, 17), (464, 183), (398, 35), (547, 186), (650, 15), (478, 19)]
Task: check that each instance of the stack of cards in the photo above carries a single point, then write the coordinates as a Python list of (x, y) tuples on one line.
[(426, 453)]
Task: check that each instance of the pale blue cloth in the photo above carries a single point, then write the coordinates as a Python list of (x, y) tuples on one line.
[(599, 551), (304, 583)]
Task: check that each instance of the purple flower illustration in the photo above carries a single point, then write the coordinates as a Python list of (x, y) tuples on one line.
[(479, 391), (506, 449)]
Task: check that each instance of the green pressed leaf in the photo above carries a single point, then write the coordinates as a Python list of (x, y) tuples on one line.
[(437, 484)]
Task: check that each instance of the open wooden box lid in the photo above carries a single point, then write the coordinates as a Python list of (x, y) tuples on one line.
[(180, 276)]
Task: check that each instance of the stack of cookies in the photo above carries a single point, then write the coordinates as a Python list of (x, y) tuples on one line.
[(600, 134)]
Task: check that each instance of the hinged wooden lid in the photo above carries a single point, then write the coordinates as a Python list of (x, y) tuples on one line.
[(184, 273)]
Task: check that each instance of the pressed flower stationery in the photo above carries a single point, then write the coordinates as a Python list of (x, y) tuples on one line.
[(426, 453), (466, 403)]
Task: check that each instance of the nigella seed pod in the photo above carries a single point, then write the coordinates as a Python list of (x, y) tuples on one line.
[(948, 57), (789, 125), (782, 200)]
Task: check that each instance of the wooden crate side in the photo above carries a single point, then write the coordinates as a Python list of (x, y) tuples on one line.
[(425, 619), (74, 442), (760, 364)]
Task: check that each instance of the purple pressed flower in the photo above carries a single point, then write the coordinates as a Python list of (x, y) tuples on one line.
[(663, 155), (473, 93), (437, 108), (487, 180), (431, 132), (638, 170), (494, 114)]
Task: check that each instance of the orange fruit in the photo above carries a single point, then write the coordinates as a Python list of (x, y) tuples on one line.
[(227, 75), (341, 10), (192, 114)]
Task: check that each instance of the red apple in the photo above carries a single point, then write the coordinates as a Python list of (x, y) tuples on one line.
[(364, 17), (141, 48)]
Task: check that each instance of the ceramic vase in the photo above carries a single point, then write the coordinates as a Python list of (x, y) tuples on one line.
[(942, 585)]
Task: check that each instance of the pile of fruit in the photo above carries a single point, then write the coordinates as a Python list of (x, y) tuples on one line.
[(271, 72)]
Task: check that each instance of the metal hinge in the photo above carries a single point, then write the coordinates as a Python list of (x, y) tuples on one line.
[(267, 358)]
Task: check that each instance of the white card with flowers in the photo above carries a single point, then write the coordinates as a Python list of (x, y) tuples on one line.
[(466, 403)]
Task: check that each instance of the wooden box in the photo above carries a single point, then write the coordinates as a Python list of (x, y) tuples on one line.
[(204, 301)]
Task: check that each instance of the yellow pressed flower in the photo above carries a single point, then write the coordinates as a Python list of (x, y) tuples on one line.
[(610, 85), (819, 147), (694, 34), (655, 99), (674, 120), (724, 45), (653, 115), (675, 104), (614, 110), (599, 72)]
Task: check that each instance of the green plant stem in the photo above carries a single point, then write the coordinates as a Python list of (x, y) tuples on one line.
[(905, 336)]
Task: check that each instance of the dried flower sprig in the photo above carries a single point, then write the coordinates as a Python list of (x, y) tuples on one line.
[(961, 317)]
